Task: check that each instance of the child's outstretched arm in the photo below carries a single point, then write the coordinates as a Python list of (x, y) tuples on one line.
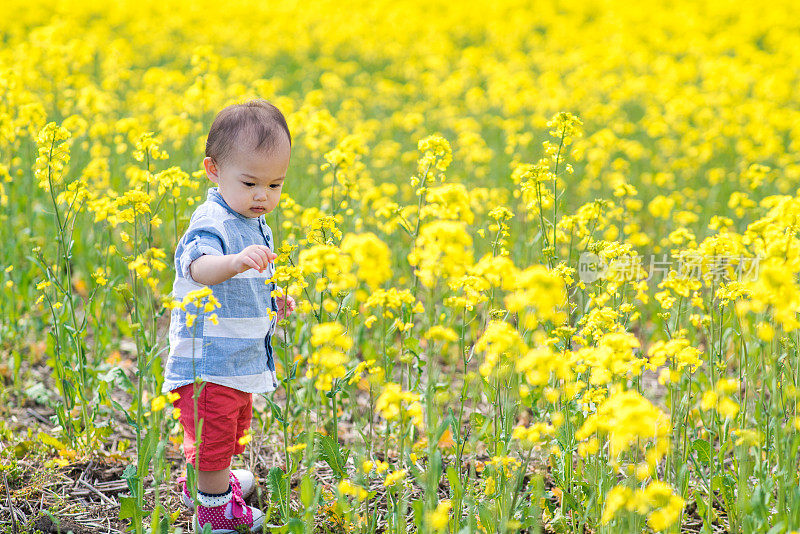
[(210, 269)]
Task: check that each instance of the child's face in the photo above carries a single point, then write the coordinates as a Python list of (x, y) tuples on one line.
[(251, 182)]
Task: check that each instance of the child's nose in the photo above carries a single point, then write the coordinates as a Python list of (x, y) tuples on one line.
[(261, 195)]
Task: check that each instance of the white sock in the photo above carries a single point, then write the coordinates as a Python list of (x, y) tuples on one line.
[(210, 500)]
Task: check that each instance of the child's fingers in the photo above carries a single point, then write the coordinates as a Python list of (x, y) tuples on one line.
[(271, 256), (250, 262), (266, 255), (259, 259), (263, 258)]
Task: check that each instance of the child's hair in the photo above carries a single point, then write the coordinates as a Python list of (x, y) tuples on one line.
[(255, 123)]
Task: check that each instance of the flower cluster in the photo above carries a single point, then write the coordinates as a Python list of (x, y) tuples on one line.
[(54, 154), (330, 357), (394, 403), (657, 501)]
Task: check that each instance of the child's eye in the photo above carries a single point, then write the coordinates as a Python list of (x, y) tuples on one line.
[(249, 184), (273, 186)]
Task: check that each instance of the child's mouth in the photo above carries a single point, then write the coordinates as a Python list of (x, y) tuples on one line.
[(259, 209)]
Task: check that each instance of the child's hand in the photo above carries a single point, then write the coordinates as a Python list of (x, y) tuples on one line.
[(286, 306), (253, 257)]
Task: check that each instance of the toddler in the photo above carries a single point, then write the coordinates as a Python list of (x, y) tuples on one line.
[(228, 246)]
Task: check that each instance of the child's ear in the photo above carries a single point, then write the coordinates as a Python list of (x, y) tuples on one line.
[(212, 171)]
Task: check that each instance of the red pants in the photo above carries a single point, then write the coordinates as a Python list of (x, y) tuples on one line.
[(225, 414)]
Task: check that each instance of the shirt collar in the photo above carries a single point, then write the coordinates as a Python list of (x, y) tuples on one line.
[(215, 196)]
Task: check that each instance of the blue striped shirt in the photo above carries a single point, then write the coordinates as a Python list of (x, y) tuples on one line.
[(237, 351)]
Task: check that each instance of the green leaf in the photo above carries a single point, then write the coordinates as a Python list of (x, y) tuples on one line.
[(699, 500), (726, 485), (412, 344), (276, 411), (330, 452), (447, 421), (559, 523), (276, 486), (53, 442), (418, 506), (163, 527), (146, 451), (296, 526), (486, 516), (346, 378), (455, 482), (154, 519), (124, 411), (306, 491), (127, 507), (703, 449), (570, 503), (129, 476)]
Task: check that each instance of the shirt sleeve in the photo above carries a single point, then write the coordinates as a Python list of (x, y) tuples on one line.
[(204, 236)]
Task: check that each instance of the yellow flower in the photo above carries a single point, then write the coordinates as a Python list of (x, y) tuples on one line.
[(719, 398), (439, 517), (333, 262), (442, 250), (441, 333), (394, 477), (54, 155), (158, 403), (372, 256), (618, 497), (448, 201), (436, 151), (532, 434), (490, 486), (589, 447), (394, 403), (348, 488), (628, 419), (538, 293), (99, 276), (330, 355), (499, 340), (295, 448)]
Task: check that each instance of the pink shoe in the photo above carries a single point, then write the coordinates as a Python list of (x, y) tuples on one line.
[(232, 517), (242, 479)]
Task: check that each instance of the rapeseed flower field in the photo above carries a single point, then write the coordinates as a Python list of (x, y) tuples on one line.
[(545, 257)]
